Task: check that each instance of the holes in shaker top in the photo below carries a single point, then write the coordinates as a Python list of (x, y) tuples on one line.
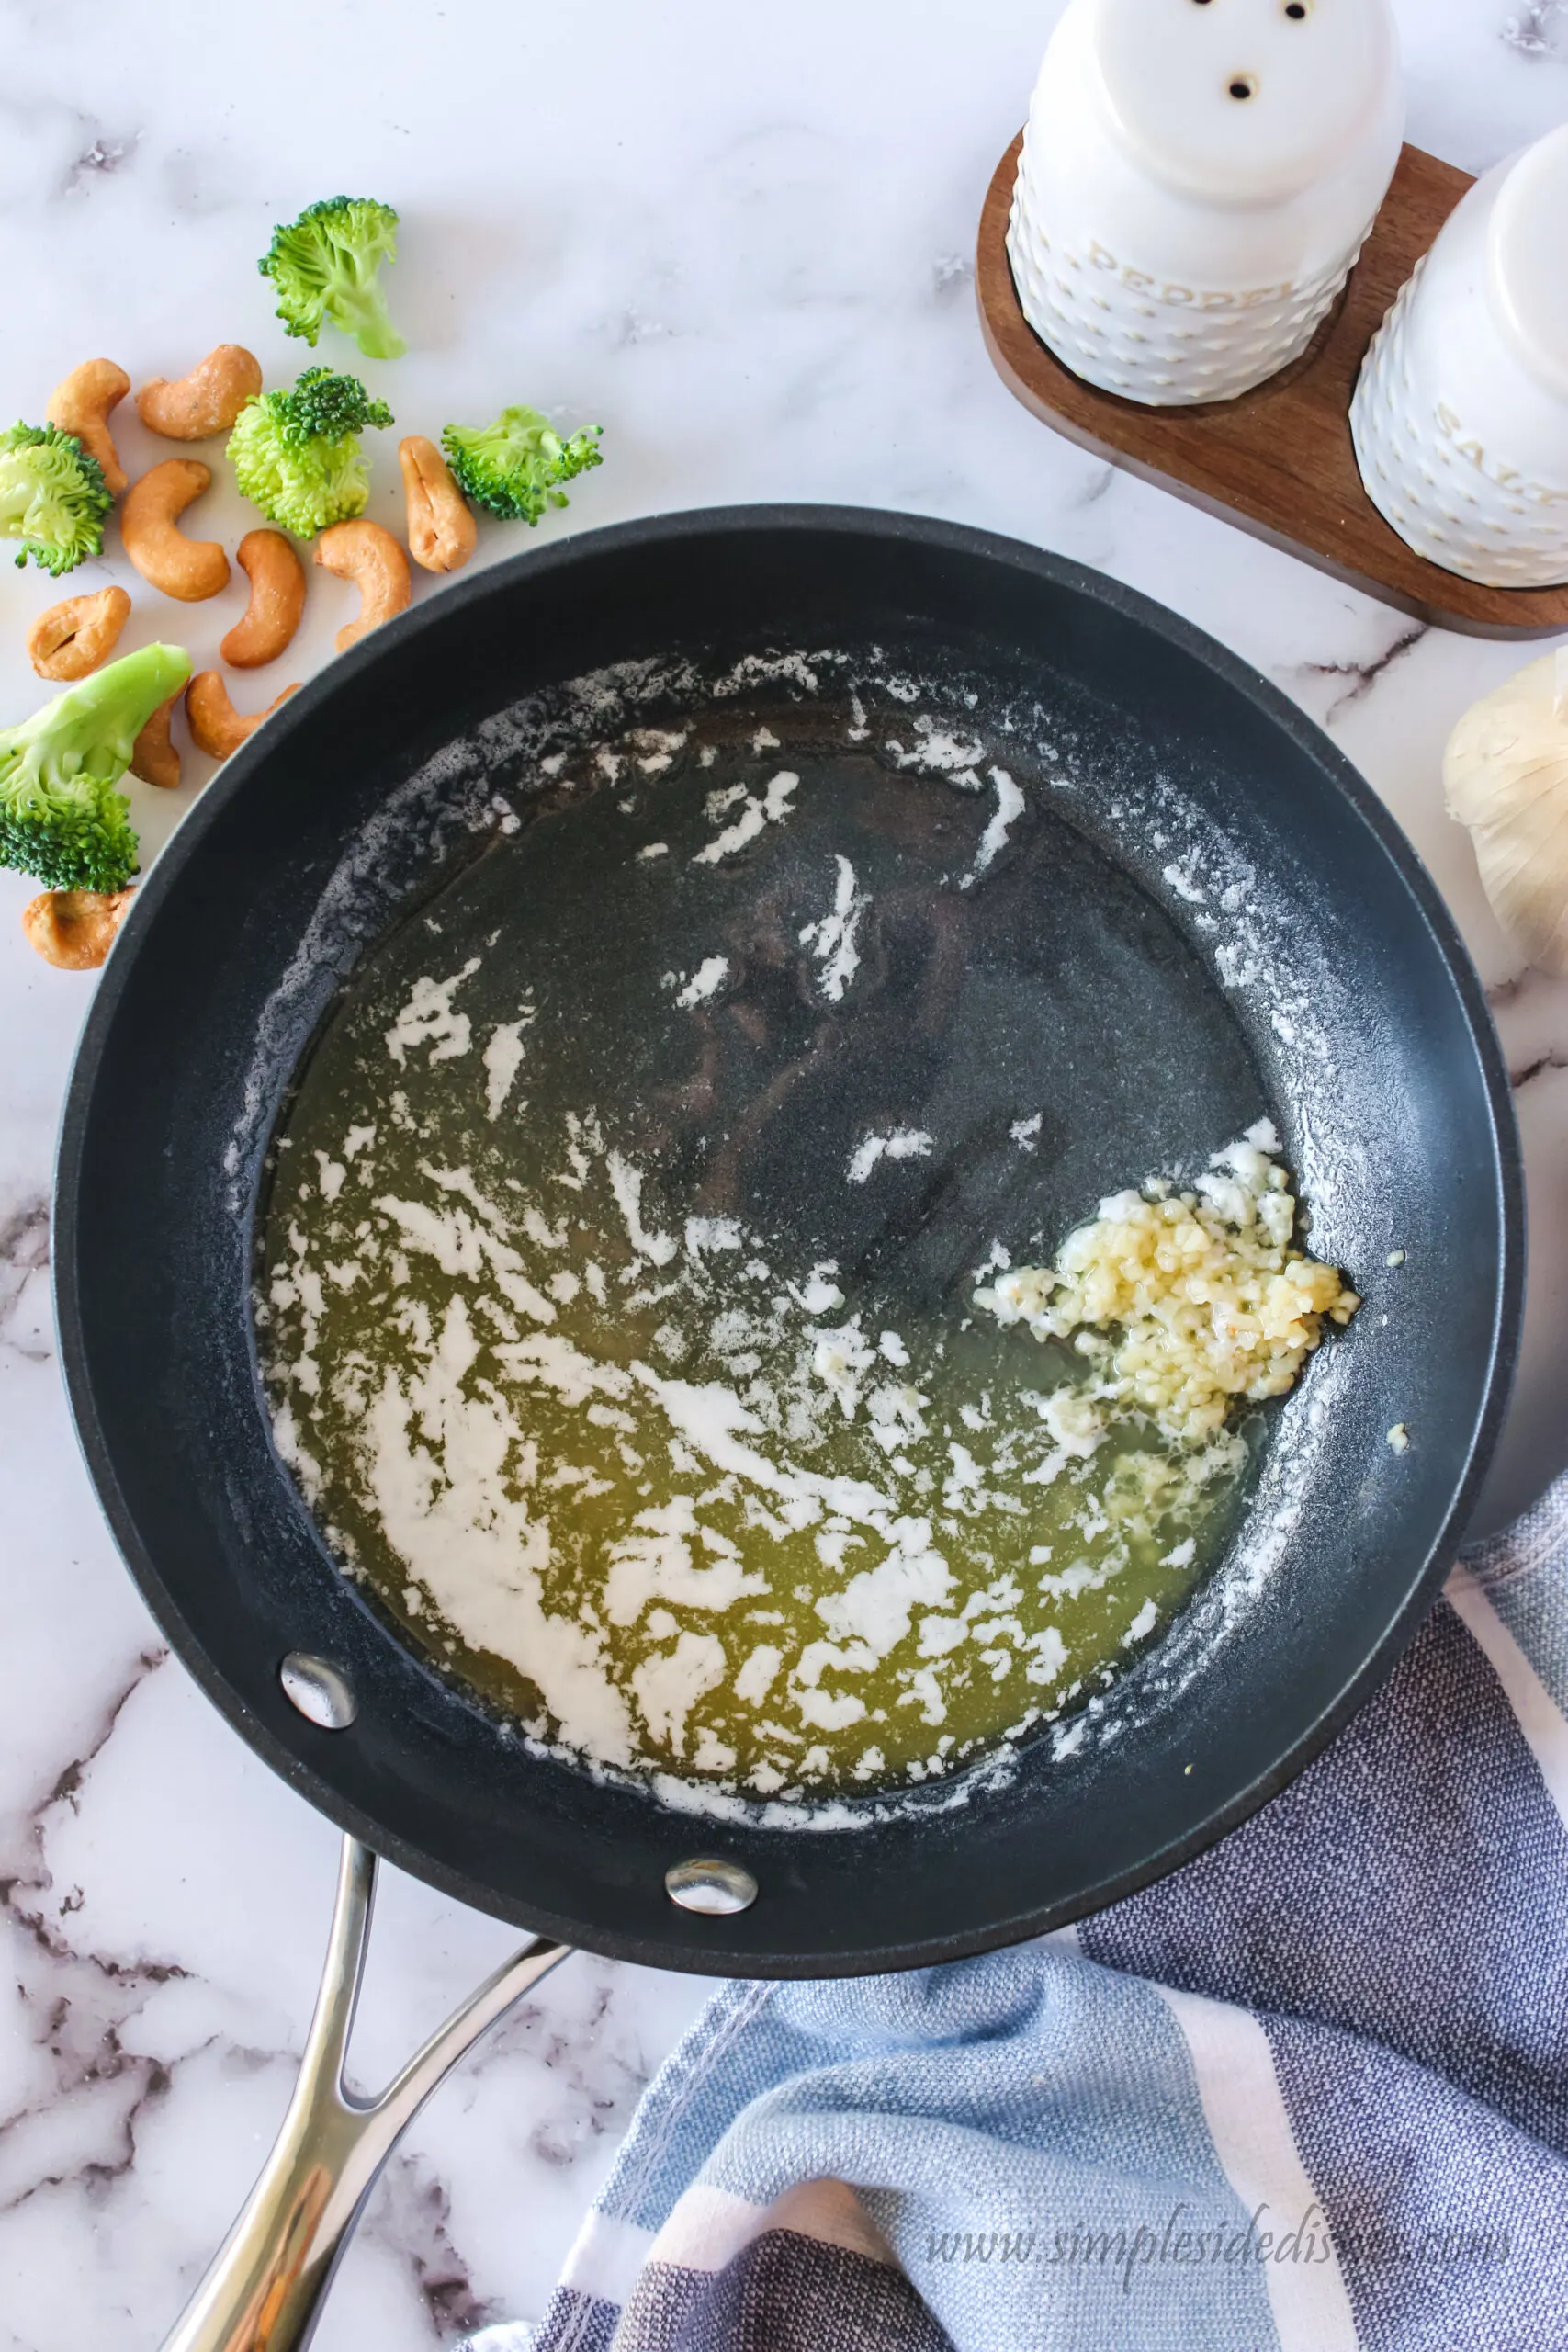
[(1242, 86)]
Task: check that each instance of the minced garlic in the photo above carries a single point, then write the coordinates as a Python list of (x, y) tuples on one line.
[(1214, 1302)]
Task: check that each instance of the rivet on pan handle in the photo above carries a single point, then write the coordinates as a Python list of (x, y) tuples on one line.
[(715, 1888), (266, 2285)]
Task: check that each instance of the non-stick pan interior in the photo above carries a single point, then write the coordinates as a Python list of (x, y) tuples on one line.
[(1196, 917)]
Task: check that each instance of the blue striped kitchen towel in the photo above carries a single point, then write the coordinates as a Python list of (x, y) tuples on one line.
[(1308, 2093)]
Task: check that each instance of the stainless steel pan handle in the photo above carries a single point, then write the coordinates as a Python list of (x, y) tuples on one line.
[(264, 2290)]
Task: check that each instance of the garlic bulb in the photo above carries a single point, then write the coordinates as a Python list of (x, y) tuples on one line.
[(1506, 776)]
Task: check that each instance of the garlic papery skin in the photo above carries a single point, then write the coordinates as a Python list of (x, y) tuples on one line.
[(1506, 777)]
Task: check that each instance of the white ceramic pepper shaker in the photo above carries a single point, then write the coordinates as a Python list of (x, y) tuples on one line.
[(1198, 177), (1461, 415)]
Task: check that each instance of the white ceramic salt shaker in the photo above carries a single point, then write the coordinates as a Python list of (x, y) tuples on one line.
[(1461, 415), (1198, 177)]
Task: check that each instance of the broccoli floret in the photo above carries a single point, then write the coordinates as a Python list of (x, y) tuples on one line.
[(325, 405), (324, 266), (53, 497), (296, 455), (61, 818), (510, 468)]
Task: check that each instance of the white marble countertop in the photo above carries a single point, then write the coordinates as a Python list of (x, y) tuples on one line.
[(742, 241)]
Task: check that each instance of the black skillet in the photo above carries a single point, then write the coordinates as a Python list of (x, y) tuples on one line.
[(1204, 915)]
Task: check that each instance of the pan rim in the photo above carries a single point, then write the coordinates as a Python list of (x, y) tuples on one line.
[(1227, 669)]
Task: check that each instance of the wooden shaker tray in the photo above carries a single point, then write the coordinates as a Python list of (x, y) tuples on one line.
[(1278, 460)]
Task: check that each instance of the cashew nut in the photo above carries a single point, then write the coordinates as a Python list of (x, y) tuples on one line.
[(191, 570), (204, 403), (278, 599), (442, 533), (153, 757), (75, 929), (215, 724), (371, 557), (81, 405), (74, 637)]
